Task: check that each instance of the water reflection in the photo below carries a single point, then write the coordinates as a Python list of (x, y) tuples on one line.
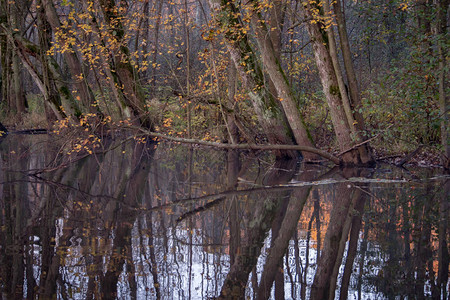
[(147, 221)]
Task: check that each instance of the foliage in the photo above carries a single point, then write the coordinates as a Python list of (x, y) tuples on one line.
[(168, 61), (401, 101)]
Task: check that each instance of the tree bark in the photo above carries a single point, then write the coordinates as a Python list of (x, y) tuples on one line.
[(260, 223), (352, 245), (275, 27), (276, 147), (127, 77), (231, 123), (355, 95), (19, 96), (284, 91), (268, 113), (444, 101), (13, 18), (124, 109), (4, 53), (156, 42), (24, 50), (328, 16), (330, 85)]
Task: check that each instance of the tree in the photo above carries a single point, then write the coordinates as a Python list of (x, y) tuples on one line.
[(319, 28), (279, 80), (127, 78), (267, 110), (444, 102), (81, 87), (12, 16), (246, 62)]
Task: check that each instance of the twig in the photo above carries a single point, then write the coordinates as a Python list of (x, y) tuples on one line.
[(365, 142), (34, 172)]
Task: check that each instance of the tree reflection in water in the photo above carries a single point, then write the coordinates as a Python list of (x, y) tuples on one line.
[(167, 222)]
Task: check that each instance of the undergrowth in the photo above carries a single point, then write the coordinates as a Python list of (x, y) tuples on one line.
[(399, 122)]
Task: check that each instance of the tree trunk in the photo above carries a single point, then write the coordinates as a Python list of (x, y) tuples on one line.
[(124, 110), (324, 283), (284, 92), (188, 68), (127, 77), (231, 123), (275, 27), (337, 67), (52, 96), (80, 84), (24, 49), (355, 96), (444, 102), (12, 75), (330, 86), (20, 101), (353, 87), (352, 245), (3, 54), (17, 23), (261, 219), (269, 114), (287, 227), (6, 54), (234, 220), (156, 43)]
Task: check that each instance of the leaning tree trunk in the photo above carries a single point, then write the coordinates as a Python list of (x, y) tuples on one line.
[(275, 24), (3, 55), (330, 87), (127, 76), (51, 96), (353, 87), (268, 112), (269, 44), (355, 95), (337, 67), (284, 91), (25, 50), (124, 109), (232, 128)]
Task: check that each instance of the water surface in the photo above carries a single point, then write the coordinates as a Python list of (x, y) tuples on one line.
[(147, 221)]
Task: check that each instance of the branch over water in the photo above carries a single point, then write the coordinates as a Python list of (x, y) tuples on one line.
[(320, 152)]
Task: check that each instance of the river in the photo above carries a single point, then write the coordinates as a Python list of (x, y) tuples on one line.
[(166, 221)]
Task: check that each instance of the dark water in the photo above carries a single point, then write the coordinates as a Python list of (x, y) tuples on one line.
[(170, 222)]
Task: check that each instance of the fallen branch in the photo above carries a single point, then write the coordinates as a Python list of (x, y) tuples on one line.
[(409, 156), (319, 152), (388, 157)]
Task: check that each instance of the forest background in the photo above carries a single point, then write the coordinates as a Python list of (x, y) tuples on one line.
[(350, 81)]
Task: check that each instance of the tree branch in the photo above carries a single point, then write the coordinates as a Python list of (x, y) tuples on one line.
[(319, 152)]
